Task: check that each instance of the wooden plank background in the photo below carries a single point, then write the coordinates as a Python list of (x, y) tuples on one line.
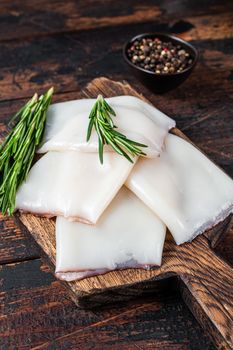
[(66, 44)]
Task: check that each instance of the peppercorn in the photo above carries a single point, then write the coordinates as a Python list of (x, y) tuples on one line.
[(158, 56)]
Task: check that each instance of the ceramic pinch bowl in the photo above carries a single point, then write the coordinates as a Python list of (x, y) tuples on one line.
[(158, 82)]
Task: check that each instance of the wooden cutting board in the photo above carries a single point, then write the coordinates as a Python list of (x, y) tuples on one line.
[(205, 280)]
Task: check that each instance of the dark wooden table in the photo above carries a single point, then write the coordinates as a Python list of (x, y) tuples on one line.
[(66, 44)]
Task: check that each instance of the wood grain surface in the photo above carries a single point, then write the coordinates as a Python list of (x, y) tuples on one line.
[(68, 44), (209, 279)]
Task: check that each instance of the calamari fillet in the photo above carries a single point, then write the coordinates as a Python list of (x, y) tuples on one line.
[(184, 188), (73, 184), (67, 123), (128, 235)]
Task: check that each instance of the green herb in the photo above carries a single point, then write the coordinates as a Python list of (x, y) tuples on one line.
[(101, 119), (18, 149)]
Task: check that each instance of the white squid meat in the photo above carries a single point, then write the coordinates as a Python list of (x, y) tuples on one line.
[(187, 191), (67, 123), (128, 235), (73, 184)]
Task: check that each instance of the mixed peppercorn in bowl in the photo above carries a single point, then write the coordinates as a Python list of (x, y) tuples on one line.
[(160, 61)]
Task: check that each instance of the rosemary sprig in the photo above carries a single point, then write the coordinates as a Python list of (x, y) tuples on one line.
[(18, 149), (101, 119)]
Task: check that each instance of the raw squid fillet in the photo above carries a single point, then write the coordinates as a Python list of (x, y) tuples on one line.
[(67, 123), (73, 184), (184, 188), (128, 235)]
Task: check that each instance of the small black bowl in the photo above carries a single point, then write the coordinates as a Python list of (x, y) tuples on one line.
[(161, 83)]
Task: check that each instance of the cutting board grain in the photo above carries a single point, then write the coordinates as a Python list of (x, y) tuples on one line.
[(205, 280)]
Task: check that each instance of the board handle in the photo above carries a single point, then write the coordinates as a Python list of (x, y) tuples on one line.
[(207, 289)]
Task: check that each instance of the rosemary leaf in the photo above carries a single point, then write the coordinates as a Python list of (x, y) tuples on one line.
[(18, 149), (101, 119)]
